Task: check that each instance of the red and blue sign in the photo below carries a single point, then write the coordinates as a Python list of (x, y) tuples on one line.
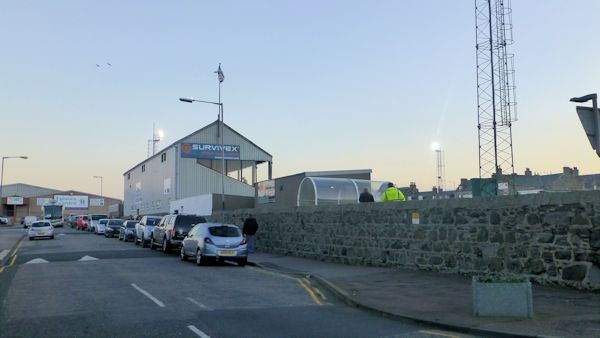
[(208, 151)]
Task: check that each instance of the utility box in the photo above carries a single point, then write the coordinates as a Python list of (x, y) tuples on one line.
[(502, 299)]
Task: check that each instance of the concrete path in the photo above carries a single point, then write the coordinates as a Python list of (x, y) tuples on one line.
[(446, 299)]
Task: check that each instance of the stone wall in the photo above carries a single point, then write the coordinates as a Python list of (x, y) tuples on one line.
[(551, 238)]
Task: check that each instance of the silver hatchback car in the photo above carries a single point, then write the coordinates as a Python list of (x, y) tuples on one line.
[(220, 242)]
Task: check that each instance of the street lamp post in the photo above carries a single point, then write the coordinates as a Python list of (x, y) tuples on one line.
[(2, 177), (101, 183), (220, 104)]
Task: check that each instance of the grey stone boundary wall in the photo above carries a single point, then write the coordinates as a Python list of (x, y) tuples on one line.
[(551, 238)]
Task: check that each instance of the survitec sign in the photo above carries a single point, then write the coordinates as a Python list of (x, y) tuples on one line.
[(208, 151)]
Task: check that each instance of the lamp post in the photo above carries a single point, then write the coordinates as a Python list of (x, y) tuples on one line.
[(2, 177), (101, 178), (220, 104), (590, 119)]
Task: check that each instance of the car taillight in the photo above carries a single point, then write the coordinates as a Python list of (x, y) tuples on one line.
[(208, 240), (173, 232), (243, 241)]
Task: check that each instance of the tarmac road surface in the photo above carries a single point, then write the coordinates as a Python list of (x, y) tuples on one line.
[(84, 285)]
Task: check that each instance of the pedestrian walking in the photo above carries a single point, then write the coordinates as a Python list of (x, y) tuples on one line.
[(392, 194), (366, 197), (249, 230)]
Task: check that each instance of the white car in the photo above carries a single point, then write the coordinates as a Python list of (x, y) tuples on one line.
[(3, 220), (100, 227), (40, 229), (28, 220)]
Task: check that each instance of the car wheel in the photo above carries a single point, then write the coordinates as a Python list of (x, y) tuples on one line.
[(144, 245), (199, 259), (31, 238), (52, 237), (165, 246), (135, 240), (182, 254), (243, 262)]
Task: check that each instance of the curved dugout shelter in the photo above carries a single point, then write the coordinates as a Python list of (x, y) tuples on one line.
[(335, 191)]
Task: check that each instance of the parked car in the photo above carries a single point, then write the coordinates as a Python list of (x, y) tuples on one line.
[(40, 229), (214, 241), (172, 229), (143, 229), (113, 227), (72, 220), (3, 220), (82, 222), (94, 219), (100, 228), (28, 220), (127, 231)]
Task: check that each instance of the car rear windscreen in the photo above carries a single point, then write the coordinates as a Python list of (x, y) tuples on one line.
[(131, 224), (97, 217), (115, 222), (40, 224), (224, 231), (152, 221), (85, 218), (185, 222)]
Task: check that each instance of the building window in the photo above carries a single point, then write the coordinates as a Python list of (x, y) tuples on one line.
[(143, 167), (128, 176), (163, 157)]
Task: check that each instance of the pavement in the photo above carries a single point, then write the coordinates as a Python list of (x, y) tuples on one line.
[(444, 300)]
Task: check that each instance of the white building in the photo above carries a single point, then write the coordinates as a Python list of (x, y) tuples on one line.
[(191, 167)]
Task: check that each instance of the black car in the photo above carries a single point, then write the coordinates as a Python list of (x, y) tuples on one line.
[(113, 227), (127, 231), (172, 229)]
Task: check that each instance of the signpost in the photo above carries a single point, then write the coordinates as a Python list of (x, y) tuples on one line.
[(590, 119)]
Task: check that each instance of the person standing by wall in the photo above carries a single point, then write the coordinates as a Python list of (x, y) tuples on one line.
[(366, 197), (249, 230), (392, 194)]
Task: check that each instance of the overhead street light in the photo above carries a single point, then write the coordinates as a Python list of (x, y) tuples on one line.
[(590, 119), (2, 177)]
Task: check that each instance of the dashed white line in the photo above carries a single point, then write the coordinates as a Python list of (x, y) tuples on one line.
[(198, 303), (3, 254), (147, 294), (198, 332)]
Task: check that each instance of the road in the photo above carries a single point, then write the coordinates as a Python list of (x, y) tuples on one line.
[(83, 285)]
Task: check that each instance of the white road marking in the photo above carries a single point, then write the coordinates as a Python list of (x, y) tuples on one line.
[(3, 254), (198, 332), (37, 261), (87, 258), (198, 303), (147, 294)]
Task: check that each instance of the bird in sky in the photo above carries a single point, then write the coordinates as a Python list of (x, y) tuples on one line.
[(97, 65), (108, 63)]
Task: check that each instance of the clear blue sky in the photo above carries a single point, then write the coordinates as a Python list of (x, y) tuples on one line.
[(321, 85)]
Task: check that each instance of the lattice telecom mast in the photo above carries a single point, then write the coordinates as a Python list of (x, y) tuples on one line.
[(496, 100)]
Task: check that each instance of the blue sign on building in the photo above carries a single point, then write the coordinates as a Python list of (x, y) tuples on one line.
[(210, 151)]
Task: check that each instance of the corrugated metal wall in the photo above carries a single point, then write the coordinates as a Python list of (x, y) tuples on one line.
[(145, 191), (195, 179), (188, 178)]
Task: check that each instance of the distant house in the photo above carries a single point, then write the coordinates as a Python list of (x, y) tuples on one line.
[(529, 183)]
